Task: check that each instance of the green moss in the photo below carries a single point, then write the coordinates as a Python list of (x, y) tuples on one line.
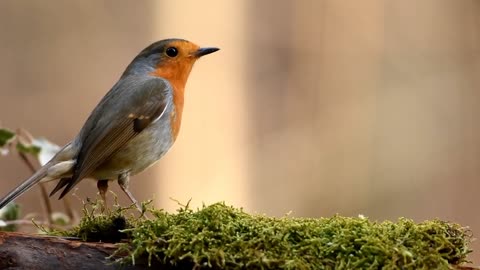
[(101, 226), (223, 237)]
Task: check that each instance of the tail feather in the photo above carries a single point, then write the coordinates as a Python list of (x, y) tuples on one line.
[(60, 165), (23, 187), (63, 182)]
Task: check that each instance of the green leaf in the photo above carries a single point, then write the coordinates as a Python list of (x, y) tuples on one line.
[(10, 212), (6, 136), (28, 149)]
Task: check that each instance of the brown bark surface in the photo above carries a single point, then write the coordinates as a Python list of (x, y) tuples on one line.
[(23, 251)]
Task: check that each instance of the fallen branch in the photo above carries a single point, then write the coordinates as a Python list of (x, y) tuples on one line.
[(23, 251)]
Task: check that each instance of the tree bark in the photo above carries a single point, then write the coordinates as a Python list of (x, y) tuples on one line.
[(23, 251)]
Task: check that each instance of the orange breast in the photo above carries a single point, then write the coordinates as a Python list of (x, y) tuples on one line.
[(176, 115), (177, 76)]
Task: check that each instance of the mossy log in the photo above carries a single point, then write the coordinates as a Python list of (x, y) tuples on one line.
[(223, 237), (24, 251)]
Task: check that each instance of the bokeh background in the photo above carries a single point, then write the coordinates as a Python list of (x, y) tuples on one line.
[(316, 107)]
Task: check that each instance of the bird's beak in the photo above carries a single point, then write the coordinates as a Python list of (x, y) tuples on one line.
[(204, 51)]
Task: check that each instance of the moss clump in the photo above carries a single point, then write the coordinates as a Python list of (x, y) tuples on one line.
[(223, 237), (100, 226)]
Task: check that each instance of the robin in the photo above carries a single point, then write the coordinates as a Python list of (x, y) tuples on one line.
[(131, 128)]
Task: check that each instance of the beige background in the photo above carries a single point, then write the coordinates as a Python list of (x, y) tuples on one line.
[(318, 107)]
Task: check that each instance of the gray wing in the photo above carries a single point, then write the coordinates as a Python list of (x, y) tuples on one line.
[(131, 106)]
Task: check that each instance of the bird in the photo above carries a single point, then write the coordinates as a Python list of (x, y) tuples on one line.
[(132, 126)]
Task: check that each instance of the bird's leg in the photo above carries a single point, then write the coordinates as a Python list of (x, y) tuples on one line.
[(123, 182), (102, 186)]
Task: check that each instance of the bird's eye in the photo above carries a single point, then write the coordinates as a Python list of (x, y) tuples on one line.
[(171, 51)]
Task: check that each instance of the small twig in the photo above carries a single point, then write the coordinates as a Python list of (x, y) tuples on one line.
[(23, 222), (36, 223), (27, 162), (26, 136), (43, 190), (68, 209), (46, 201), (23, 134)]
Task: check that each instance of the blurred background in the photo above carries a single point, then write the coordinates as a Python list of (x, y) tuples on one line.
[(315, 107)]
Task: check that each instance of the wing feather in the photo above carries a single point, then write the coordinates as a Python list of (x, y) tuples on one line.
[(135, 103)]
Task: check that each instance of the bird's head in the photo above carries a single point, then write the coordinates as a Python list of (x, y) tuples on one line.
[(171, 59)]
